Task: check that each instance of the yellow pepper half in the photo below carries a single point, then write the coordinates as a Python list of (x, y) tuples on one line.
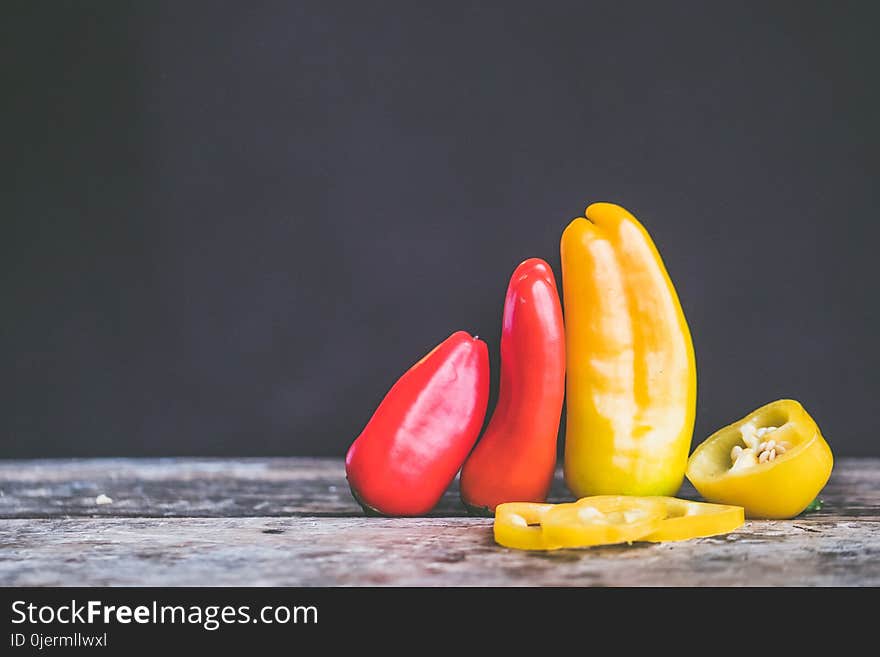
[(631, 375), (773, 462)]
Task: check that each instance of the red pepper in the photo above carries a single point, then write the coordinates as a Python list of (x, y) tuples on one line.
[(516, 457), (413, 446)]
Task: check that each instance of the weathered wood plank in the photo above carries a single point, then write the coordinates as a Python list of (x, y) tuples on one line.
[(190, 487), (292, 522), (272, 487), (417, 552)]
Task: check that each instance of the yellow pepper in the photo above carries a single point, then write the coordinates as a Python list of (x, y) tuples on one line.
[(773, 462), (631, 375), (686, 519)]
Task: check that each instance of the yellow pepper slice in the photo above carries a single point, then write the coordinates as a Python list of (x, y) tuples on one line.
[(607, 519), (602, 520), (773, 462), (631, 375), (518, 525), (686, 519)]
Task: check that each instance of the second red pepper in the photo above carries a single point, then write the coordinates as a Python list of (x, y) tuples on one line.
[(516, 457)]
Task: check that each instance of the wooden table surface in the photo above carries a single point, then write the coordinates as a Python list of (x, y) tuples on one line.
[(292, 522)]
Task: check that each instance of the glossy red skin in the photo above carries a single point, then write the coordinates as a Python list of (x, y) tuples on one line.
[(413, 446), (516, 457)]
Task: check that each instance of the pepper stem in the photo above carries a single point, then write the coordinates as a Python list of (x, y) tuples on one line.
[(480, 511)]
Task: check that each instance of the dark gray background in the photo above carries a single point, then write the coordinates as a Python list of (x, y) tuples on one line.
[(229, 227)]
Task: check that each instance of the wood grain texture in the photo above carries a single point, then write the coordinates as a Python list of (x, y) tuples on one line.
[(189, 488), (272, 522)]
